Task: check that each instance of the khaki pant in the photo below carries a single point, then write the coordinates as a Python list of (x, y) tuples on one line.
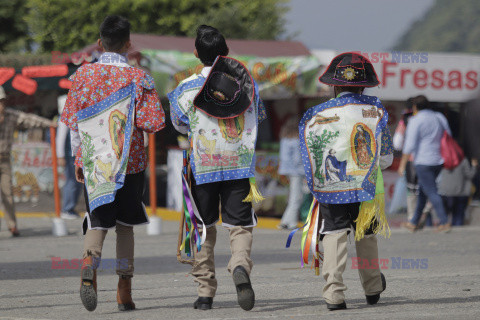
[(204, 270), (6, 191), (335, 261), (93, 245)]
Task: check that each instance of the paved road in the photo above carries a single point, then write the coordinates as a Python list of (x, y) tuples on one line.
[(449, 288)]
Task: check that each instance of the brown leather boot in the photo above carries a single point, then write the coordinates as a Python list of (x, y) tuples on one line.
[(124, 294), (88, 284)]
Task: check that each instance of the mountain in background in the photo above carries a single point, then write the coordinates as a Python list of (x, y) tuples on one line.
[(449, 26)]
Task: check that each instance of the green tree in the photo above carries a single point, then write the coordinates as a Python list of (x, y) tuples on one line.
[(13, 27), (68, 25), (317, 144), (262, 19), (451, 26)]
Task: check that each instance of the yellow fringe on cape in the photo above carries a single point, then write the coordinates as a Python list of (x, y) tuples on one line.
[(254, 195), (373, 211)]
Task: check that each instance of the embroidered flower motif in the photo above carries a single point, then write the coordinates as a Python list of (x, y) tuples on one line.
[(95, 83), (214, 132)]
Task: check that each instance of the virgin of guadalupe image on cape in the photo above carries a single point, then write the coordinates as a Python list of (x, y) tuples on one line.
[(232, 129), (116, 124), (335, 170), (362, 146)]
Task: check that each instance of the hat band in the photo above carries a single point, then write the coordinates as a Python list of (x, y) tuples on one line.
[(347, 81), (208, 97), (349, 74)]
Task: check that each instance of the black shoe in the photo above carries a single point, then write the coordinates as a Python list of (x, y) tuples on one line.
[(245, 294), (373, 299), (203, 303), (333, 307)]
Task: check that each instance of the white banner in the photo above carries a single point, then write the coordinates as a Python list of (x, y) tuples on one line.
[(442, 77)]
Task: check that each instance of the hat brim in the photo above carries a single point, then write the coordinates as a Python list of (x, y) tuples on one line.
[(328, 77), (237, 70)]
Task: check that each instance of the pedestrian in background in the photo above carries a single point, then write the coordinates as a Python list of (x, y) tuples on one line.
[(291, 166), (455, 187), (10, 120), (422, 140), (413, 188), (72, 188)]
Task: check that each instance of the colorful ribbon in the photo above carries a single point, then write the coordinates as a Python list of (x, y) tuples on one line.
[(309, 235), (192, 230)]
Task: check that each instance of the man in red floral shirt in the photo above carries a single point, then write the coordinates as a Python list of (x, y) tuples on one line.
[(109, 106)]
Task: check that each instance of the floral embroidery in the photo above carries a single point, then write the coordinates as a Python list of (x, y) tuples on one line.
[(95, 82)]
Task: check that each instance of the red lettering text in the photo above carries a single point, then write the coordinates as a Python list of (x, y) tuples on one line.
[(420, 79)]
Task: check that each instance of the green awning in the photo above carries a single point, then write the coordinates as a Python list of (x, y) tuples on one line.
[(277, 77)]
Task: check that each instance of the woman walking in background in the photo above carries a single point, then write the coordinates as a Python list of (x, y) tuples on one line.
[(422, 139), (455, 187), (291, 166)]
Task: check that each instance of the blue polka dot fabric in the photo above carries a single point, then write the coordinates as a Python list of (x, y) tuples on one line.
[(359, 184), (222, 149)]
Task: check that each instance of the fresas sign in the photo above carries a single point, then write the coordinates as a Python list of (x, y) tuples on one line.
[(439, 76)]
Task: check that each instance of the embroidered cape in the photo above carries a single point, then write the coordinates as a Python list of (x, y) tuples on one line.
[(105, 152), (222, 149), (341, 142)]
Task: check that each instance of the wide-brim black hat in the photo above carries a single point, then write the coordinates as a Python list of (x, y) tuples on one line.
[(350, 69), (228, 90)]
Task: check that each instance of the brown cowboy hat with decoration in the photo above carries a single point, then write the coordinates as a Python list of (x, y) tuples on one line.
[(350, 69), (228, 91)]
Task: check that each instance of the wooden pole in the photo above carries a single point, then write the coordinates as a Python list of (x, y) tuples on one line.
[(153, 184), (56, 189)]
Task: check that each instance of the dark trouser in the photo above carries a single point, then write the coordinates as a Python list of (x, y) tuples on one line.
[(457, 206), (427, 176), (127, 208), (337, 217), (228, 194), (72, 189)]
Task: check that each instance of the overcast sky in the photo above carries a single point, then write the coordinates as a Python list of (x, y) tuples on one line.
[(365, 25)]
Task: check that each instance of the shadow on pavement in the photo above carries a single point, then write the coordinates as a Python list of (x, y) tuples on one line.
[(143, 266)]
